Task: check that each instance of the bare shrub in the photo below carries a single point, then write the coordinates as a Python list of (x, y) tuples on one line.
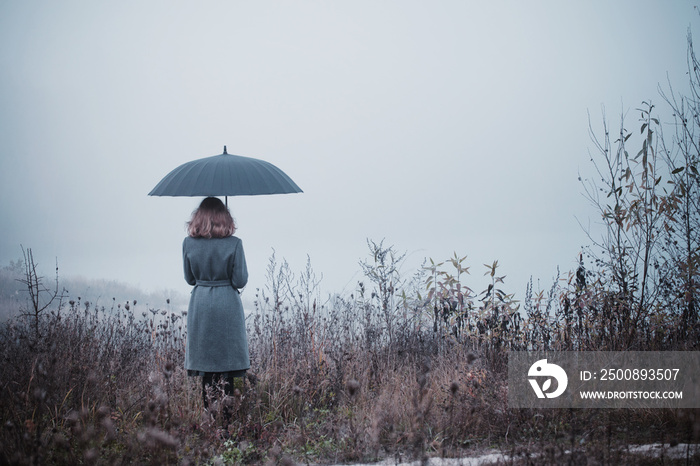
[(328, 381)]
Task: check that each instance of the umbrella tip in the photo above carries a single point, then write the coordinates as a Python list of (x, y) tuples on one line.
[(225, 150)]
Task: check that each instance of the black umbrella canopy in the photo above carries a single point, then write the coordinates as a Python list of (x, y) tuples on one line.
[(225, 175)]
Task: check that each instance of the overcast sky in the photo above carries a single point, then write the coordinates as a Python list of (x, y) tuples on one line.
[(439, 125)]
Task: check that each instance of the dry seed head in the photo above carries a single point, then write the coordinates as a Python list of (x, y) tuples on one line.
[(72, 418), (276, 450), (39, 394), (59, 440), (353, 387), (162, 438), (103, 412), (109, 426), (91, 455), (287, 461)]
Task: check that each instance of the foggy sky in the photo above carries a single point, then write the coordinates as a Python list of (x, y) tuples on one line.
[(439, 126)]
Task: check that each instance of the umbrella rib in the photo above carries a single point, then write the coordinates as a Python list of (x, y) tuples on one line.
[(188, 179)]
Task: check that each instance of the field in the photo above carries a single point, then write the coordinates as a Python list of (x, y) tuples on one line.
[(402, 369)]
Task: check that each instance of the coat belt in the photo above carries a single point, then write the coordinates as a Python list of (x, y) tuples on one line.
[(214, 283)]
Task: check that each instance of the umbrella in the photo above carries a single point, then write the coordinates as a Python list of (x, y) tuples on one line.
[(225, 175)]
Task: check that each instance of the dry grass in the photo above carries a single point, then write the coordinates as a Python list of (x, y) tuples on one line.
[(330, 383)]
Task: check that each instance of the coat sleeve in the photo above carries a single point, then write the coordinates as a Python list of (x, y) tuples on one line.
[(239, 274), (189, 276)]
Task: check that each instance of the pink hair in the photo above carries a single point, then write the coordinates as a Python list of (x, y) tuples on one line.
[(211, 220)]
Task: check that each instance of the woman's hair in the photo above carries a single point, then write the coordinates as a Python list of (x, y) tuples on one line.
[(211, 220)]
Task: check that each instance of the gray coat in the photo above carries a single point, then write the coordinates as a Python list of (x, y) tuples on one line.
[(216, 335)]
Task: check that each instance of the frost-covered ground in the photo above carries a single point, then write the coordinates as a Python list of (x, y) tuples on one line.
[(679, 451), (481, 460), (658, 450)]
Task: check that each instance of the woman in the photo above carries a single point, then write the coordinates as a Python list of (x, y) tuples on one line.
[(217, 345)]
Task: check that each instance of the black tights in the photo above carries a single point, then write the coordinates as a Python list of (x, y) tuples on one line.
[(211, 381)]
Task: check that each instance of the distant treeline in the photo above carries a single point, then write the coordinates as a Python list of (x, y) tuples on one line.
[(96, 292)]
